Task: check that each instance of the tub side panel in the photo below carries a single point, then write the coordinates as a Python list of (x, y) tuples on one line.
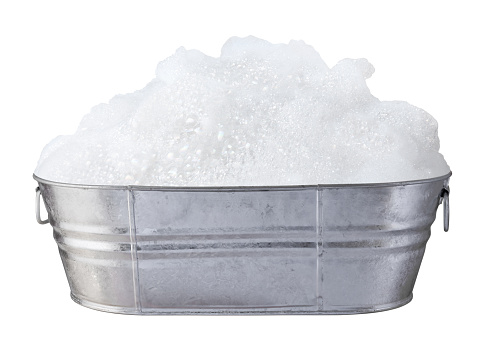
[(373, 244), (226, 249), (91, 228)]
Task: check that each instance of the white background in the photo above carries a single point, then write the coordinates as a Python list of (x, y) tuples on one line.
[(59, 59)]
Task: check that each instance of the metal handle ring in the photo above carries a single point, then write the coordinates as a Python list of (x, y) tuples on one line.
[(37, 207), (445, 205)]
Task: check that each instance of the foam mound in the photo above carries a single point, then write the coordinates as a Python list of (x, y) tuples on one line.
[(260, 114)]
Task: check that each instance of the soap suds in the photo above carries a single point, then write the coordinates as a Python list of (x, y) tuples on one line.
[(261, 114)]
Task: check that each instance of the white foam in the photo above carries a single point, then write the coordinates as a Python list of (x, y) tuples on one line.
[(260, 114)]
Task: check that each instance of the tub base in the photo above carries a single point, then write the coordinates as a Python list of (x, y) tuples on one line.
[(239, 311)]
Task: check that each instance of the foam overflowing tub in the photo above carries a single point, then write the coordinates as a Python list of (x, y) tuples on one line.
[(258, 182)]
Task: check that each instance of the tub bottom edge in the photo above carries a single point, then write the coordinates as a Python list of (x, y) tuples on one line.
[(310, 310)]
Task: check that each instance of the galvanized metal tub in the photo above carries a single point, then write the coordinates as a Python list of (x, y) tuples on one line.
[(318, 249)]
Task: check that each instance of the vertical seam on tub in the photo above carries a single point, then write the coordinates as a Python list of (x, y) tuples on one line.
[(319, 249), (133, 249)]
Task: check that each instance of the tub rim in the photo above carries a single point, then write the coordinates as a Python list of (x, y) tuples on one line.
[(245, 188)]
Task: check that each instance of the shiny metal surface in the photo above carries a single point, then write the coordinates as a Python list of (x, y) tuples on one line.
[(322, 249)]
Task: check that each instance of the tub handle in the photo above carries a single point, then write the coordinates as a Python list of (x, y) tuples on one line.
[(37, 207), (444, 200)]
